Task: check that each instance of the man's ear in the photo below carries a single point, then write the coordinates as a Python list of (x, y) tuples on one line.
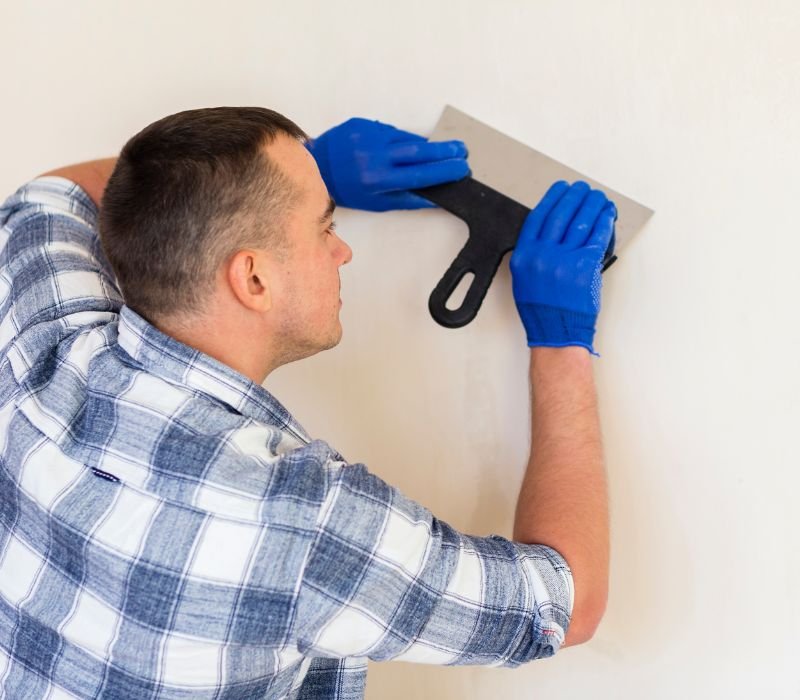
[(248, 276)]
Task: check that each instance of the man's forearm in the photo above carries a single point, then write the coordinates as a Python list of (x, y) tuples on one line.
[(563, 501), (92, 175)]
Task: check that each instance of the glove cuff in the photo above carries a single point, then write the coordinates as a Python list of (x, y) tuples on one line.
[(550, 326)]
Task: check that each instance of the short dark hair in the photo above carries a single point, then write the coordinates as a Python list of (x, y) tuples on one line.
[(186, 193)]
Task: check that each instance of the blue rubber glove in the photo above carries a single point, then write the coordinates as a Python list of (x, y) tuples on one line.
[(556, 265), (372, 166)]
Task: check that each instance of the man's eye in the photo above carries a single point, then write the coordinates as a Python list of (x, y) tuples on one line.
[(332, 227)]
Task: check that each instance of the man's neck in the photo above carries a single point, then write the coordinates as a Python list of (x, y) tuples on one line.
[(223, 341)]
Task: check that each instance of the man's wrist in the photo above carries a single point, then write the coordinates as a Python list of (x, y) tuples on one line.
[(546, 358)]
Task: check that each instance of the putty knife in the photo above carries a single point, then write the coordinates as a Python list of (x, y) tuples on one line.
[(508, 178)]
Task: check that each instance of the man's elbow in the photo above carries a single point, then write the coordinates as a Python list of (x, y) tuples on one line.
[(585, 620)]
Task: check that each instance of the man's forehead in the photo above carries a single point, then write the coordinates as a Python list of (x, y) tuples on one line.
[(290, 156), (298, 165)]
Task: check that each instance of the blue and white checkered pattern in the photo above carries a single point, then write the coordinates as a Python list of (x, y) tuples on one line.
[(168, 530)]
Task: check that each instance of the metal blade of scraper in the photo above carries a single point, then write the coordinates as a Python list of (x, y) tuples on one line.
[(508, 178)]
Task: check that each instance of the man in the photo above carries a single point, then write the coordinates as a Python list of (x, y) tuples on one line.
[(167, 529)]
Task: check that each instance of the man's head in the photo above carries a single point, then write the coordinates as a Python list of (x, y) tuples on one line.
[(218, 220)]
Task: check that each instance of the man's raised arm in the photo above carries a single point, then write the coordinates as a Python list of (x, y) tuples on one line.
[(52, 269), (563, 501)]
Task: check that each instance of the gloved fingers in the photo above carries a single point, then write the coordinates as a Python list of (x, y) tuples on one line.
[(603, 230), (414, 177), (398, 135), (410, 153), (581, 226), (535, 219), (559, 219), (363, 125)]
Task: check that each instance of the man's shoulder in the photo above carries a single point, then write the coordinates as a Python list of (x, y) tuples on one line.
[(53, 207), (164, 437), (93, 391)]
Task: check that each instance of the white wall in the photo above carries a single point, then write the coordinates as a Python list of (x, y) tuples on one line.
[(691, 108)]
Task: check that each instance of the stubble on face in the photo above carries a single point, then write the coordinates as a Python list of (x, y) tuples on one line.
[(302, 339), (307, 326)]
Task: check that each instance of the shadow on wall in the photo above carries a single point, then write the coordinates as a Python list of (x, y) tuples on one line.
[(653, 575)]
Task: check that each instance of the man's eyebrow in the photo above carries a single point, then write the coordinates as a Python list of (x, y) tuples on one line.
[(328, 212)]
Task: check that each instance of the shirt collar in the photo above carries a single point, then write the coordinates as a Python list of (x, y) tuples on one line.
[(166, 357)]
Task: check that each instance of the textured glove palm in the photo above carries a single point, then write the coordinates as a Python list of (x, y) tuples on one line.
[(556, 265), (369, 165)]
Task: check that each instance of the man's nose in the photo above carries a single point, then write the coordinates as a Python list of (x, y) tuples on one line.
[(346, 254)]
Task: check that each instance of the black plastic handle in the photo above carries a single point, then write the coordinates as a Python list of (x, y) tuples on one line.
[(461, 266), (494, 222)]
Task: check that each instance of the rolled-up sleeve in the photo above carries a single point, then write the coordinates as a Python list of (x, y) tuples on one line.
[(385, 579), (53, 273)]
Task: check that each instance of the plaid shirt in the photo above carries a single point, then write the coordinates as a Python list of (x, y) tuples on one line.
[(168, 530)]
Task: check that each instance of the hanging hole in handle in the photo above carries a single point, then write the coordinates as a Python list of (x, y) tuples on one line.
[(457, 296)]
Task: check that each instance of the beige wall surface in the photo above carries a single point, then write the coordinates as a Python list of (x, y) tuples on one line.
[(689, 107)]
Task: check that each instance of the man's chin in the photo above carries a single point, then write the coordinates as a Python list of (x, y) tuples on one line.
[(320, 346), (308, 347), (335, 339)]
